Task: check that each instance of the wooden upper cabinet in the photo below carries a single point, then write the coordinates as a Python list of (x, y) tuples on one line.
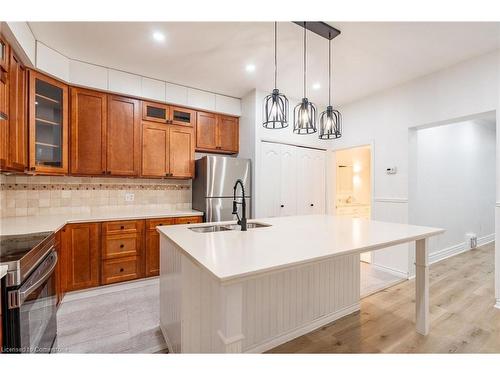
[(18, 122), (48, 124), (217, 133), (182, 116), (155, 112), (227, 133), (4, 54), (167, 151), (88, 132), (181, 151), (166, 114), (123, 136), (80, 248), (155, 150), (206, 131)]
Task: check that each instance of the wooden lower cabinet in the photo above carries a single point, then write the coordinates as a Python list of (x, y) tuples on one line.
[(120, 269), (122, 251), (152, 253), (93, 254), (80, 247)]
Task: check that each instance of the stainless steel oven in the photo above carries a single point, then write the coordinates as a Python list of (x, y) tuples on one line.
[(29, 295)]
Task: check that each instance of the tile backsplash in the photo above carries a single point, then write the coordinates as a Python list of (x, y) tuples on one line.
[(41, 195)]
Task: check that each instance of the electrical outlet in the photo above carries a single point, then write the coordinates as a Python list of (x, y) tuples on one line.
[(129, 197)]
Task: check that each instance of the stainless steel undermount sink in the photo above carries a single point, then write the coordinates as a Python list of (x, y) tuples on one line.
[(209, 229), (222, 228), (249, 226)]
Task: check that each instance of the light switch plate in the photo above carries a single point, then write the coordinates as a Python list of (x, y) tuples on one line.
[(129, 197)]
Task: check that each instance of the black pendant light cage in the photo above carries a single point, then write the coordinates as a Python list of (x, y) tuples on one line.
[(330, 121), (276, 103), (304, 113)]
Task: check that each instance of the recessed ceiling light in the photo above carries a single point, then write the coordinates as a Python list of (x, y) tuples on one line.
[(250, 68), (316, 86), (159, 37)]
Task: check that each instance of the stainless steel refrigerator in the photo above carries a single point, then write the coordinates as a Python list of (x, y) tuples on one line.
[(213, 184)]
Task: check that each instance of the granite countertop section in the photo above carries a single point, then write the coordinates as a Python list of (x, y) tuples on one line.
[(3, 271), (290, 240), (52, 223)]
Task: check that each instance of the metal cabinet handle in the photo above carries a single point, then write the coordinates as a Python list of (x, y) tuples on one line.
[(282, 205), (312, 205)]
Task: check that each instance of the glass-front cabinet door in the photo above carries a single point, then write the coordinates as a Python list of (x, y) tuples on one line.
[(182, 116), (48, 117)]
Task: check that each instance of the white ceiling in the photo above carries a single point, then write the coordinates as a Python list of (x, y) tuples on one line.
[(212, 55)]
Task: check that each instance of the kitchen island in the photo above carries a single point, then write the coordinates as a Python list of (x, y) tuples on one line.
[(233, 291)]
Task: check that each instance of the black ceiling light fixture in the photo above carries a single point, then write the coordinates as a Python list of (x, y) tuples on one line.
[(305, 112), (330, 120), (276, 103)]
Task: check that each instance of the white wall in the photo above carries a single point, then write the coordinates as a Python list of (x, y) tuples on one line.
[(454, 183), (468, 88)]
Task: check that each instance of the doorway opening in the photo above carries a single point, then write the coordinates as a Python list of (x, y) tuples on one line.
[(452, 183), (353, 199)]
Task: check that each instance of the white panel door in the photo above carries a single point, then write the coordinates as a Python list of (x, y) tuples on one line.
[(318, 187), (288, 181), (270, 176), (305, 177)]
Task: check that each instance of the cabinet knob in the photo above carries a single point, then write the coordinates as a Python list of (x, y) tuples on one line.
[(103, 172), (282, 206), (312, 204), (122, 227), (122, 246), (121, 269)]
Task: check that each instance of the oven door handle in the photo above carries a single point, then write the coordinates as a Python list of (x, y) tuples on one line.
[(17, 298)]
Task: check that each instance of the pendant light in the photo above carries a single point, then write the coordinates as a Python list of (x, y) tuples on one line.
[(275, 104), (330, 121), (304, 114)]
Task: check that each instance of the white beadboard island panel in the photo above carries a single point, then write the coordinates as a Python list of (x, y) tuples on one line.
[(235, 291), (199, 314)]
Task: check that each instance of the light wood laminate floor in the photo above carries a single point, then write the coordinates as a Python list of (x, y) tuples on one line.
[(125, 319), (463, 319)]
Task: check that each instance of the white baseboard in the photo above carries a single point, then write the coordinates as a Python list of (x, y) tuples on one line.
[(390, 270), (497, 305), (448, 252), (311, 326), (100, 290)]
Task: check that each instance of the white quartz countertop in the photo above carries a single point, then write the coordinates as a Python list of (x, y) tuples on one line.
[(288, 241), (52, 223), (3, 271)]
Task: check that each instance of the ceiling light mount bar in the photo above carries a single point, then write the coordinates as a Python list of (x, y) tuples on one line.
[(320, 28)]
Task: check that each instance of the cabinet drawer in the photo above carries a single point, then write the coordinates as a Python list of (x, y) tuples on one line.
[(153, 223), (188, 220), (122, 269), (120, 246), (114, 227)]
